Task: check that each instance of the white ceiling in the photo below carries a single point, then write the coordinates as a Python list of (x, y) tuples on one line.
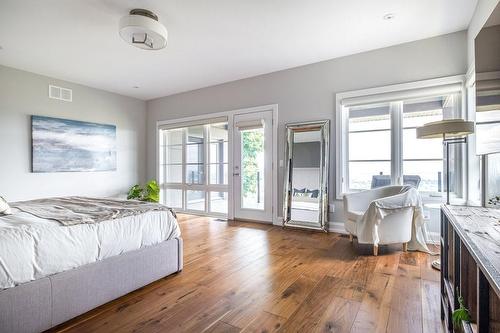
[(210, 42)]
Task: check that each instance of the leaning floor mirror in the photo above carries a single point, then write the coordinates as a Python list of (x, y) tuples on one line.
[(306, 175)]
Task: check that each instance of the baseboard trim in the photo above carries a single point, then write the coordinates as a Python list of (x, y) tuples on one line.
[(337, 227), (434, 238)]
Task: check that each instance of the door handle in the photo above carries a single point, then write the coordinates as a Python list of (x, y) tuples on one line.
[(236, 174)]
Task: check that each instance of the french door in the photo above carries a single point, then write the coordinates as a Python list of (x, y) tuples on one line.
[(252, 166), (220, 166), (193, 170)]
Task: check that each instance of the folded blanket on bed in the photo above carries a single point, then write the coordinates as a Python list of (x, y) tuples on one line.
[(83, 210)]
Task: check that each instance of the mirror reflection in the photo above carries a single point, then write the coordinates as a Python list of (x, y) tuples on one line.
[(306, 159)]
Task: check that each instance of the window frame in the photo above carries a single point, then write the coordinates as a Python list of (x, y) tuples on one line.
[(394, 94)]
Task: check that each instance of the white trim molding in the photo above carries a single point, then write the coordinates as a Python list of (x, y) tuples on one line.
[(337, 227)]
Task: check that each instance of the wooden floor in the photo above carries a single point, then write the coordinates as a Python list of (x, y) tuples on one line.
[(249, 277)]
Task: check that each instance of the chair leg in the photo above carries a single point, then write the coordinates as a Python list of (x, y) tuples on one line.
[(405, 247), (375, 250), (351, 238)]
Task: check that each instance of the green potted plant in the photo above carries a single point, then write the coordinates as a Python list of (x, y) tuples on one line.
[(150, 192), (460, 315)]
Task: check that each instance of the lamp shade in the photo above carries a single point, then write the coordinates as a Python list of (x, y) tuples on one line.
[(451, 128)]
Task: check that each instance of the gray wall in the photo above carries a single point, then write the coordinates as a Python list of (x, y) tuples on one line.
[(23, 94), (308, 92)]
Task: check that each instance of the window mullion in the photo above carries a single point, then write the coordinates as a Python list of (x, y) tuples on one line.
[(345, 150), (205, 166), (184, 174), (396, 109)]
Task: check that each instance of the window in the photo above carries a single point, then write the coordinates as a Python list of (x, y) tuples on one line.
[(378, 144), (422, 159), (369, 145), (193, 169)]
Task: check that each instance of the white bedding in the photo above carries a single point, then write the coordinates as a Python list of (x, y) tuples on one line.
[(305, 209), (306, 205), (31, 247)]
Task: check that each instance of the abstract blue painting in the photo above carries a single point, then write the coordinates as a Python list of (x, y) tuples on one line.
[(61, 145)]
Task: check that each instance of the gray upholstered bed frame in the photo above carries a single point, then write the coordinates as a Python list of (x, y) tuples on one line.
[(41, 304)]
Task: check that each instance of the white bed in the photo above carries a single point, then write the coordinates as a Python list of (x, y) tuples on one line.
[(305, 209), (32, 248)]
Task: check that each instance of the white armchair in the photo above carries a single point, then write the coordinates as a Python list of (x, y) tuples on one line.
[(377, 226)]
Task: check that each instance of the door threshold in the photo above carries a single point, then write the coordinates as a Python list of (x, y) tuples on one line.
[(236, 219)]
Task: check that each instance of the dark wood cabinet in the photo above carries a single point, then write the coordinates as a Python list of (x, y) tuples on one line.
[(470, 266)]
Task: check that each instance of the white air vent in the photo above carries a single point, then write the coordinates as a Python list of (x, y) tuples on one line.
[(62, 94)]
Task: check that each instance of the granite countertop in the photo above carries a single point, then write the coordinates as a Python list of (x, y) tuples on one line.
[(479, 230)]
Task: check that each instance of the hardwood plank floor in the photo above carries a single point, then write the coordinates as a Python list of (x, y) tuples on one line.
[(250, 277)]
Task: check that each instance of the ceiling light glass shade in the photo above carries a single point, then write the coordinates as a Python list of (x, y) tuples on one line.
[(142, 29), (449, 128)]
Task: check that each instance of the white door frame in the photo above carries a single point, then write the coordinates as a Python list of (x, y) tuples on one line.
[(230, 116)]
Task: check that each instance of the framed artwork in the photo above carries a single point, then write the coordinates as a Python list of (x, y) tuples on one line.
[(62, 145)]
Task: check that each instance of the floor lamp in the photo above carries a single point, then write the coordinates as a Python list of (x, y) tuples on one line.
[(452, 131)]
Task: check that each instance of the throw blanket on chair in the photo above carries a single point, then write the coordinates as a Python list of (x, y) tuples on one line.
[(82, 210), (408, 198)]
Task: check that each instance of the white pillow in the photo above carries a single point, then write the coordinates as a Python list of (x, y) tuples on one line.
[(4, 207)]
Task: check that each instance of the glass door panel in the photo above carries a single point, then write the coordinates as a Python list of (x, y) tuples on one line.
[(194, 168), (195, 155), (173, 137), (195, 200), (173, 198), (219, 154), (195, 174), (218, 174), (218, 202), (252, 168), (173, 173)]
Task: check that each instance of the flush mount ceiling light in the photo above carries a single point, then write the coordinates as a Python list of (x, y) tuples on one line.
[(388, 16), (142, 29)]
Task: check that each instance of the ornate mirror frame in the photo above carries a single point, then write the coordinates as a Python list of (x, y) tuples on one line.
[(324, 128)]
